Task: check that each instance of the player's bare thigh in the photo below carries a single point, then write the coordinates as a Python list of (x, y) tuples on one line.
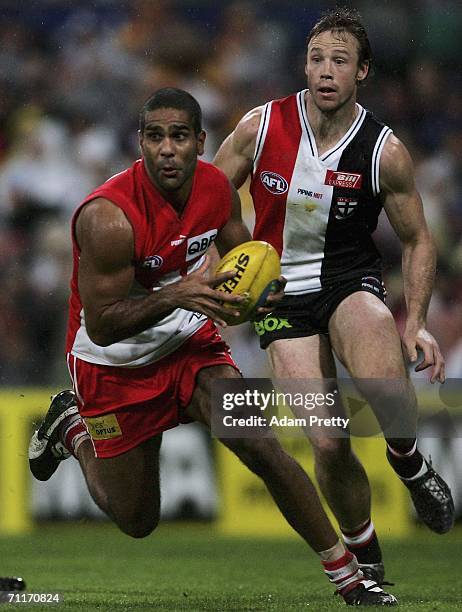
[(200, 407), (364, 337), (306, 365), (251, 450), (304, 358)]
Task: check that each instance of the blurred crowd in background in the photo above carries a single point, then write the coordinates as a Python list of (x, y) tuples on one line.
[(74, 75)]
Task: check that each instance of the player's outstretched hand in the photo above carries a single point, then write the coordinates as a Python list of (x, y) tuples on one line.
[(424, 341), (274, 297), (196, 292)]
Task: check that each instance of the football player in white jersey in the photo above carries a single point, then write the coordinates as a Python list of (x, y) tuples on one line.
[(344, 316)]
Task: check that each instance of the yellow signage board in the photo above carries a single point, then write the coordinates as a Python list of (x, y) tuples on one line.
[(248, 509)]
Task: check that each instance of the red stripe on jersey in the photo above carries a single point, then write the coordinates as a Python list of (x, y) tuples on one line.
[(272, 176)]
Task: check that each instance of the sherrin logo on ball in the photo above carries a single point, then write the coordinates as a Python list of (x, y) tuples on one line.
[(257, 266)]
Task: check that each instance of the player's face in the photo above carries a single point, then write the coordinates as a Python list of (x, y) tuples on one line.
[(170, 148), (332, 69)]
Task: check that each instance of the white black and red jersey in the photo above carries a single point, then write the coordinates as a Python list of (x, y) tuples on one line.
[(318, 211)]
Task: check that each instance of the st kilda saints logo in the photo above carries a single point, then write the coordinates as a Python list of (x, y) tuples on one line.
[(345, 207)]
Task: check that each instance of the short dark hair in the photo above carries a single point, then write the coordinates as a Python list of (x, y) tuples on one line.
[(171, 97), (344, 20)]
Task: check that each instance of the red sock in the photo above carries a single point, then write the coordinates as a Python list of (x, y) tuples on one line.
[(344, 572), (73, 432)]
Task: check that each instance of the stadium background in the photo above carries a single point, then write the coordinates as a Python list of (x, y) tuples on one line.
[(73, 76)]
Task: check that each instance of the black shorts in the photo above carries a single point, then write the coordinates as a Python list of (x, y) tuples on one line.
[(298, 316)]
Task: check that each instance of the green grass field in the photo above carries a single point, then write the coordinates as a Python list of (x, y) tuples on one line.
[(191, 567)]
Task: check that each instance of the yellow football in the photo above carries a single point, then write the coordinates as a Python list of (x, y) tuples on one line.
[(257, 266)]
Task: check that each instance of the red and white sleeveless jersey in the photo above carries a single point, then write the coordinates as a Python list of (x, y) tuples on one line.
[(318, 211), (167, 247)]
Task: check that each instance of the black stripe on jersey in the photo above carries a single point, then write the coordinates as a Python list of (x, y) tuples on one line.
[(349, 249), (375, 166), (349, 135), (259, 144), (301, 109)]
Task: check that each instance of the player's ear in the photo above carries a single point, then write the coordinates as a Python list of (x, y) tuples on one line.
[(140, 139), (363, 71), (201, 142)]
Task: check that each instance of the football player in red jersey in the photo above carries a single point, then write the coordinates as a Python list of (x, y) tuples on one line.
[(143, 351), (321, 168)]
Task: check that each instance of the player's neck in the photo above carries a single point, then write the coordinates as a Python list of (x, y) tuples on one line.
[(328, 128), (177, 198)]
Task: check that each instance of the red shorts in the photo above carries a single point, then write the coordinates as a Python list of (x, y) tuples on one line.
[(123, 407)]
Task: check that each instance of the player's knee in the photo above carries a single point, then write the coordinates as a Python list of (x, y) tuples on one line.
[(332, 452), (139, 524), (139, 529), (390, 398)]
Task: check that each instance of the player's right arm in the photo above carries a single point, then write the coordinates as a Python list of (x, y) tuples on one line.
[(235, 156), (106, 275)]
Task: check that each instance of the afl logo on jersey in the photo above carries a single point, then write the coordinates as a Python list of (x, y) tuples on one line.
[(153, 262), (274, 183)]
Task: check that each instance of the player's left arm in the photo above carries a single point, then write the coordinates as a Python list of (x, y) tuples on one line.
[(403, 206), (235, 232)]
